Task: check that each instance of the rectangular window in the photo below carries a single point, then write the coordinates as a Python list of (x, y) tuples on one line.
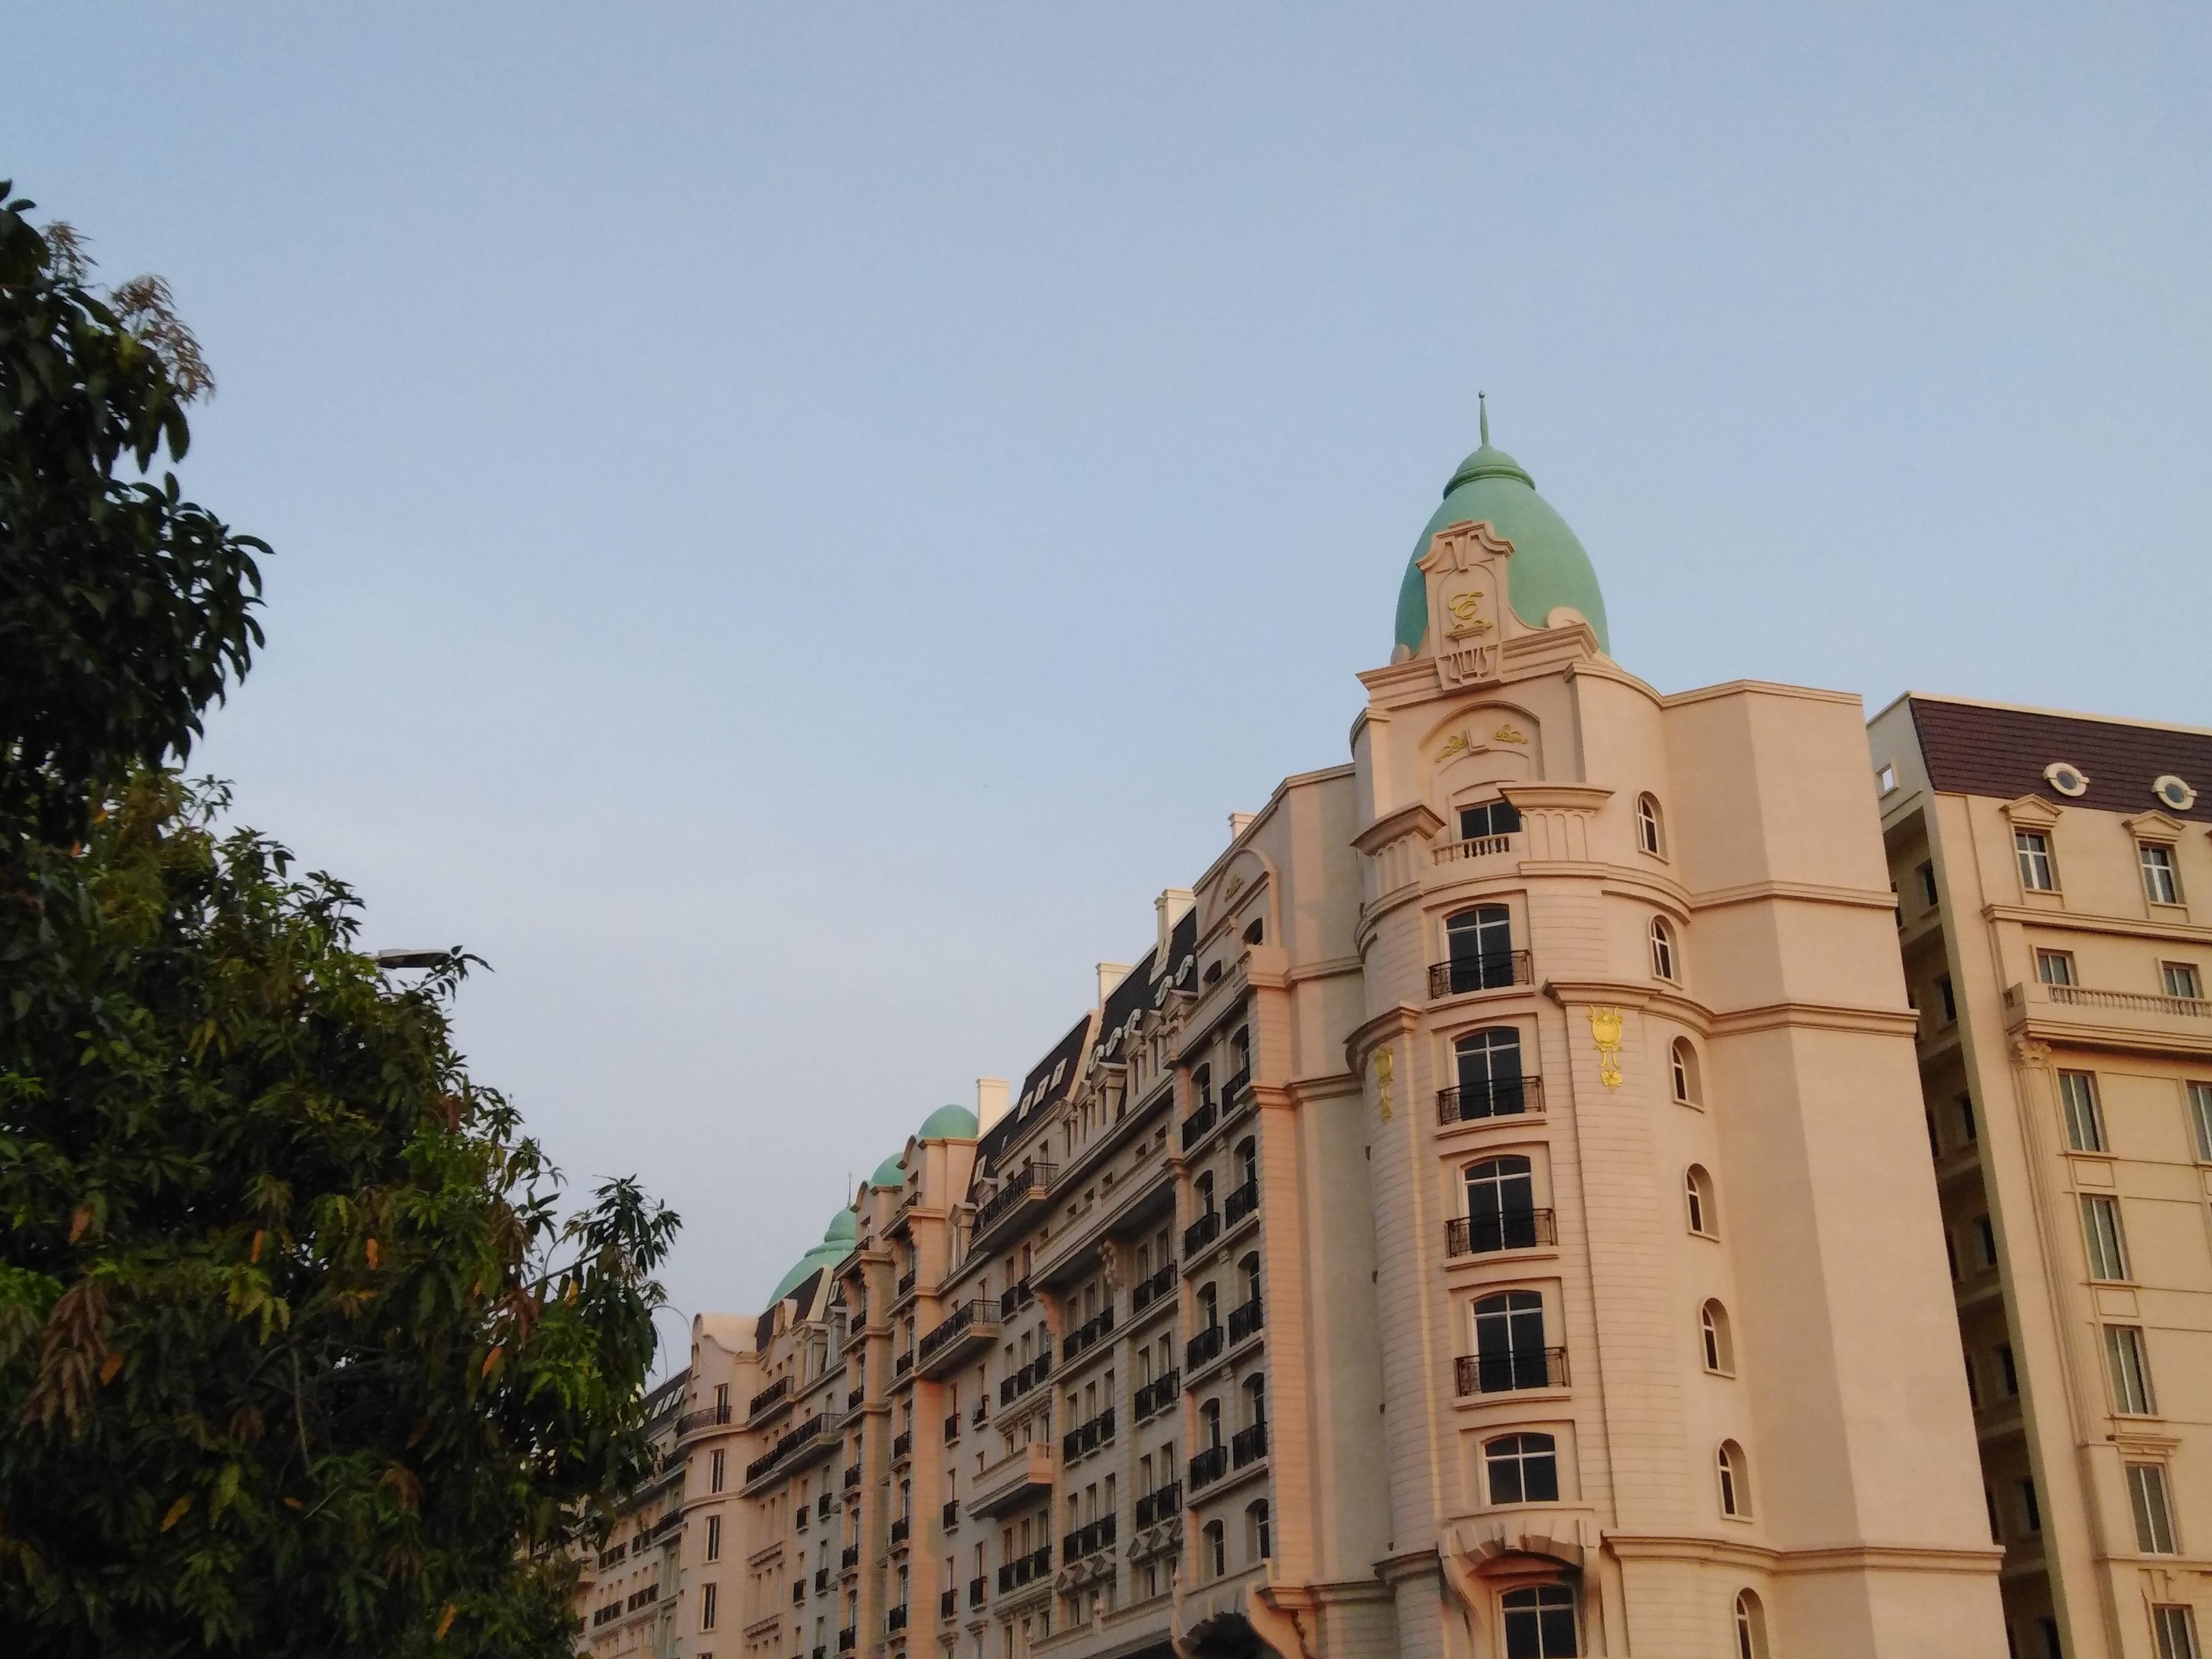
[(2055, 967), (1966, 1105), (714, 1538), (2176, 1630), (2130, 1363), (2181, 980), (1950, 1000), (714, 1471), (1927, 873), (2032, 848), (2085, 1124), (2200, 1119), (2008, 1370), (707, 1599), (2160, 882), (2030, 1512), (2153, 1513), (2100, 1230), (1985, 1239)]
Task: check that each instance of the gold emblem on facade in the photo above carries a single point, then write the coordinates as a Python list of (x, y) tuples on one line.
[(1466, 617), (1453, 745), (1605, 1031), (1506, 734), (1385, 1070)]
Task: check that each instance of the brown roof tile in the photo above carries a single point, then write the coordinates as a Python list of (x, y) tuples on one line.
[(1972, 748)]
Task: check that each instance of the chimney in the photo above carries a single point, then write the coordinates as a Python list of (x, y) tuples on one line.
[(1110, 974), (1172, 906), (990, 1103), (1239, 822)]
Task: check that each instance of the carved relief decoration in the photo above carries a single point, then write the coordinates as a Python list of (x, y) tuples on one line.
[(1605, 1032), (1465, 567)]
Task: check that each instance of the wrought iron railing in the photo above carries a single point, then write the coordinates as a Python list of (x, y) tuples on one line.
[(1499, 1229), (1495, 970), (1519, 1368), (1510, 1096)]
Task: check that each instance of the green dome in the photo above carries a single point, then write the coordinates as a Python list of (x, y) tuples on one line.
[(822, 1255), (1548, 567), (948, 1123), (891, 1172), (844, 1227)]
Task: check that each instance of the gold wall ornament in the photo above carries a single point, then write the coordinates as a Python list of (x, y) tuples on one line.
[(1506, 734), (1235, 886), (1453, 745), (1605, 1031), (1385, 1071), (1466, 617)]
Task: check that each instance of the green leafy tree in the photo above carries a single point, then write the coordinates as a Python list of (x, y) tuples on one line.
[(297, 1354)]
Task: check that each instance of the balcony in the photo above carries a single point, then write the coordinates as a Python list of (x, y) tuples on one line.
[(848, 1557), (1208, 1467), (950, 1518), (1244, 1321), (970, 1329), (1502, 1373), (902, 1529), (906, 1281), (1513, 1096), (821, 1581), (698, 1422), (821, 1652), (976, 1589), (769, 1399), (1018, 1297), (799, 1593), (981, 1415), (896, 1619), (1090, 1331), (1476, 846), (854, 1396), (1201, 1120), (1011, 1389), (1499, 970), (790, 1449), (902, 1446), (948, 1604), (1088, 1541), (1247, 1445), (852, 1477), (805, 1516), (2130, 1019), (1162, 1506), (1204, 1347), (1028, 1186), (1082, 1440), (1158, 1394), (849, 1638), (1501, 1230), (1037, 1563), (952, 1429), (1150, 1291), (1020, 1478), (821, 1509), (1200, 1234), (1240, 1203), (902, 1365)]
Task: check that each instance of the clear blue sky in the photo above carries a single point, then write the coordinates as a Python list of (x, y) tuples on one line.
[(792, 526)]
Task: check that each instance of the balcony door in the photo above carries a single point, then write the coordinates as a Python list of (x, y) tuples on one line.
[(1509, 1342), (1490, 1073), (1480, 943), (1501, 1210)]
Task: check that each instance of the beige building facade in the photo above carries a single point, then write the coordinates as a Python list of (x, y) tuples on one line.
[(1493, 1217), (2054, 876)]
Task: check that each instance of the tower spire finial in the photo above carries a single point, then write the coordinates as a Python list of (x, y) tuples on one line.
[(1481, 401)]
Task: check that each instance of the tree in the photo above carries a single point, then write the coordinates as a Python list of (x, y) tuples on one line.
[(296, 1354)]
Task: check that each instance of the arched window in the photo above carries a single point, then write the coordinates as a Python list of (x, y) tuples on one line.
[(1682, 1072), (1248, 1272), (1202, 1085), (1539, 1622), (1240, 1048), (1523, 1468), (1508, 1343), (1666, 962), (1213, 1552), (1208, 1301), (1248, 1162), (1490, 1082), (1698, 1195), (1479, 943), (1735, 1480), (1256, 931), (1259, 1536), (1255, 1401), (1202, 1190), (1750, 1626), (1649, 837), (1501, 1206), (1209, 1424), (1713, 1337)]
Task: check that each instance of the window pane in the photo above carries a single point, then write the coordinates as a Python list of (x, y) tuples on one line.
[(2154, 1519), (2085, 1129), (2158, 874), (2124, 1351), (2100, 1225), (2034, 853), (2200, 1118), (2176, 1629), (2054, 967)]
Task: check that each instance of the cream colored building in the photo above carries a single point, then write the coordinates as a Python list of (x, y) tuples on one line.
[(1491, 1217), (2054, 879)]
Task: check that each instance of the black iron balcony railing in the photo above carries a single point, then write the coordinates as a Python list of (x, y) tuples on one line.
[(1247, 1445), (948, 1603), (1088, 1541), (848, 1557), (1158, 1394), (1160, 1505), (821, 1652), (799, 1592), (902, 1529), (1098, 1326), (849, 1638), (908, 1279), (981, 1415), (821, 1581), (1510, 1096), (791, 1440), (1520, 1368), (1233, 1092), (1495, 970), (952, 1428), (1201, 1233), (1030, 1181), (1245, 1320), (1151, 1290), (822, 1506), (1208, 1467), (901, 1445), (950, 1518), (1240, 1203), (975, 1588), (1205, 1346), (1499, 1229), (903, 1363), (1088, 1438), (896, 1619), (852, 1477), (1040, 1561), (768, 1396), (967, 1314), (614, 1557), (1018, 1297), (805, 1516), (855, 1395), (1194, 1127)]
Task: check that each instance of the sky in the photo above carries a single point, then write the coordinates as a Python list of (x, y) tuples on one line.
[(791, 525)]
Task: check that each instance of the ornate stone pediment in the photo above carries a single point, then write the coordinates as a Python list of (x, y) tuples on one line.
[(1469, 619)]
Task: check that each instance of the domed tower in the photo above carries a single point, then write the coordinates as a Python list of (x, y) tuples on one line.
[(1636, 1070)]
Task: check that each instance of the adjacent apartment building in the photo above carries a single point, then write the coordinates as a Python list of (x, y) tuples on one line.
[(1493, 1215), (2054, 879)]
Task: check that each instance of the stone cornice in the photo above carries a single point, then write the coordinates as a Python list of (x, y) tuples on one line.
[(1556, 797), (1806, 892), (1401, 1020), (1822, 1015), (1832, 1558), (1762, 687), (1419, 819), (2181, 933)]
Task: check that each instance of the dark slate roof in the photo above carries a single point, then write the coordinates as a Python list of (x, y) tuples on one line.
[(1048, 1083), (765, 1328), (1974, 750)]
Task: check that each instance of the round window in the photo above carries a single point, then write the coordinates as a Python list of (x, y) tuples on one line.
[(2066, 780), (2174, 792)]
